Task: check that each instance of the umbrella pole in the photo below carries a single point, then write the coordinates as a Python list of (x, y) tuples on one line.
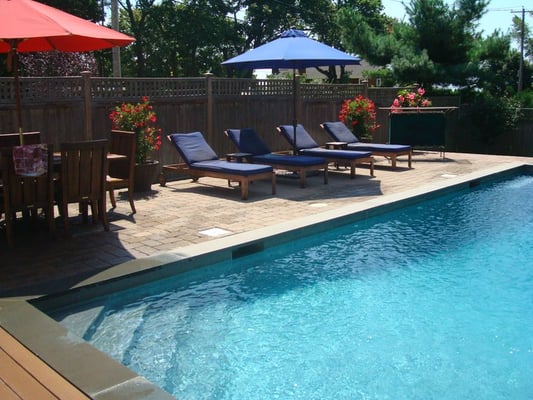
[(14, 60), (18, 102), (295, 116)]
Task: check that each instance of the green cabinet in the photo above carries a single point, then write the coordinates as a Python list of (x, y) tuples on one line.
[(424, 129)]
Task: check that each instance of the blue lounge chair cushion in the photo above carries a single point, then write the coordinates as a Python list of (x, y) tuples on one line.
[(243, 169), (340, 132), (307, 146), (280, 159), (303, 139), (378, 147), (248, 141), (193, 147), (339, 154), (197, 154)]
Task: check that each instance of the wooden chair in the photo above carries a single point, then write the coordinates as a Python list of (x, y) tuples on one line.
[(83, 179), (26, 194), (121, 172), (13, 139)]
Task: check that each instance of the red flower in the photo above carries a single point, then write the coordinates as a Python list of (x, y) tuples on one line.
[(359, 114), (141, 119)]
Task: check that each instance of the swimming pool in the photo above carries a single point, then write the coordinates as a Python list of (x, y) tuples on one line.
[(431, 301)]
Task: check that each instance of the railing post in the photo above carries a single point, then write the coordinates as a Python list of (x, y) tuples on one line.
[(86, 87), (209, 90), (365, 87)]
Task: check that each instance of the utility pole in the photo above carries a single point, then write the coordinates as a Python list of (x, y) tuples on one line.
[(522, 34), (521, 68), (115, 51)]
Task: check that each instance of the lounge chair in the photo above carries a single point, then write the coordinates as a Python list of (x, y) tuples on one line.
[(340, 132), (305, 145), (248, 142), (202, 161)]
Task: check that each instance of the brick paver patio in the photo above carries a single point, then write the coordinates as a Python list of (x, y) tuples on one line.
[(179, 215)]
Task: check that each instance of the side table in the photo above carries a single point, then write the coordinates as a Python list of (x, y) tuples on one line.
[(336, 145), (238, 157)]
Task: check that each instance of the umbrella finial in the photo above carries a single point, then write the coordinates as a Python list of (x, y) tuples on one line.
[(293, 33)]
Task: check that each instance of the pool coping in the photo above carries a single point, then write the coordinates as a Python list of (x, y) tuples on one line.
[(101, 377)]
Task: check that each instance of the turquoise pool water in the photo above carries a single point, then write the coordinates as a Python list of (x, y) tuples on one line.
[(434, 301)]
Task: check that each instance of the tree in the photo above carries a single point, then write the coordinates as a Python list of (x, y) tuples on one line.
[(412, 49), (87, 9), (178, 39)]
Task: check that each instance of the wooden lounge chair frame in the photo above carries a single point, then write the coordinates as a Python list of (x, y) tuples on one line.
[(244, 180), (390, 155), (301, 170), (352, 163)]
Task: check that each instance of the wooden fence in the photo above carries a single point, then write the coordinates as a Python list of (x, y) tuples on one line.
[(77, 108)]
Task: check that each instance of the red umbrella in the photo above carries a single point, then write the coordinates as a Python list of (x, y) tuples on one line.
[(31, 26)]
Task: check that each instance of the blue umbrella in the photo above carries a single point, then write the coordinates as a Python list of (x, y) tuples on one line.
[(293, 49)]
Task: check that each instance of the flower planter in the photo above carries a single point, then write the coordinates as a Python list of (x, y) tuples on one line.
[(144, 176)]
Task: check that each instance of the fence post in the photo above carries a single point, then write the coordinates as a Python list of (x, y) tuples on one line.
[(86, 87), (209, 90)]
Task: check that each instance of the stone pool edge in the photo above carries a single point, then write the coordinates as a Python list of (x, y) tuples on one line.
[(103, 378)]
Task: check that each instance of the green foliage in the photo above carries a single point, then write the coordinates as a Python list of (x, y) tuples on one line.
[(525, 98), (432, 47), (178, 39), (86, 9), (491, 116), (384, 74)]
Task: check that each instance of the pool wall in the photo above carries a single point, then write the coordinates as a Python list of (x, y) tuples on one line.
[(102, 377)]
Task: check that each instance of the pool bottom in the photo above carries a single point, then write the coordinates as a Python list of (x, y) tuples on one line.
[(99, 375)]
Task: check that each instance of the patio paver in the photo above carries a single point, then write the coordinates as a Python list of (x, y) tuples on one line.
[(174, 216)]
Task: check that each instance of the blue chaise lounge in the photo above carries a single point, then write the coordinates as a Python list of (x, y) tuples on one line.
[(202, 161), (340, 132), (248, 142), (305, 145)]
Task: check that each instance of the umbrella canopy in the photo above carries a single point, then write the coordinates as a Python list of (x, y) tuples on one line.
[(31, 26), (293, 49)]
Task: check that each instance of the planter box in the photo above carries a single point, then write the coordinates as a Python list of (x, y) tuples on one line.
[(144, 176)]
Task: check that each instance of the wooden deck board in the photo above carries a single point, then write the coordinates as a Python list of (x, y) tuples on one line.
[(25, 376)]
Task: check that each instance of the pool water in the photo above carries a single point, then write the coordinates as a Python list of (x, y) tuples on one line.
[(434, 301)]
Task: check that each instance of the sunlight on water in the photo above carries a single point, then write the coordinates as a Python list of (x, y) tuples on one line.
[(431, 302)]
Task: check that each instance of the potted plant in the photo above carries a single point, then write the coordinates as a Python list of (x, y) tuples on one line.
[(359, 115), (141, 119)]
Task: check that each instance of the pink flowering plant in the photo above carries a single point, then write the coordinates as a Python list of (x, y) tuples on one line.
[(359, 115), (408, 98), (141, 119)]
